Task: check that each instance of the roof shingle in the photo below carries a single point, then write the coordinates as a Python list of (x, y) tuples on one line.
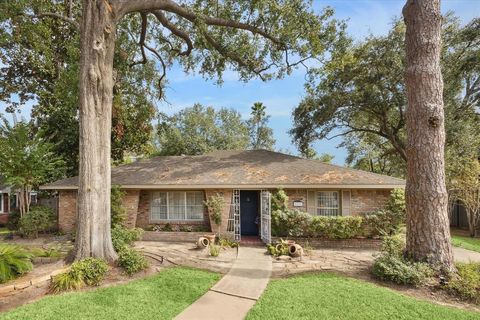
[(244, 168)]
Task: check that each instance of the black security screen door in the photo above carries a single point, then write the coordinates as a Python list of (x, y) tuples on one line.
[(249, 212)]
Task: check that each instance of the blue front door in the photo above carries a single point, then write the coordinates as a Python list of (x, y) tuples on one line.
[(249, 212)]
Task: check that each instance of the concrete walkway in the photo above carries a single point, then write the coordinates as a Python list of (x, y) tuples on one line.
[(464, 255), (233, 296)]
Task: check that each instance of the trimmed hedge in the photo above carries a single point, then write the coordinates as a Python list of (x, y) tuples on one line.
[(294, 223)]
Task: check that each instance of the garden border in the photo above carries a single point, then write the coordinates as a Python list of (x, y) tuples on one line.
[(319, 243)]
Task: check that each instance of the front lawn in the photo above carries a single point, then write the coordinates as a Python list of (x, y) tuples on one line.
[(328, 296), (161, 296), (4, 230), (468, 243)]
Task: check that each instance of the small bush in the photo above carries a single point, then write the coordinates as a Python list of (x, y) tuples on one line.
[(225, 242), (391, 265), (92, 270), (67, 281), (14, 261), (88, 271), (13, 220), (39, 219), (278, 249), (131, 261), (122, 237), (214, 250), (466, 284)]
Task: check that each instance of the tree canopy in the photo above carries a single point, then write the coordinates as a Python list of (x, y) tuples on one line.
[(261, 136), (39, 57), (359, 93), (198, 130), (26, 161)]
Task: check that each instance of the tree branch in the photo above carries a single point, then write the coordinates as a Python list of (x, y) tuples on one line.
[(232, 55), (174, 30), (141, 42), (127, 6), (56, 16)]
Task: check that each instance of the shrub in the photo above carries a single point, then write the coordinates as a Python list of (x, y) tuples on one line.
[(39, 219), (122, 237), (13, 220), (466, 284), (214, 250), (343, 227), (215, 205), (292, 223), (131, 261), (117, 210), (392, 266), (278, 249), (225, 242), (92, 270), (14, 261), (396, 202), (88, 271), (66, 281)]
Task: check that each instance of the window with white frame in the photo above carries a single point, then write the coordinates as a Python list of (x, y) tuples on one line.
[(1, 202), (328, 203), (177, 205)]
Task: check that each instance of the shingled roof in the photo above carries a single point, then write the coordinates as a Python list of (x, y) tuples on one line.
[(243, 169)]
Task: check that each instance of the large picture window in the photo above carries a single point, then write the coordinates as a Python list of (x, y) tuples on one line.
[(177, 205), (328, 203)]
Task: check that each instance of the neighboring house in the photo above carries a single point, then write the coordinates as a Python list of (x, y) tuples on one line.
[(172, 189), (8, 201), (4, 203)]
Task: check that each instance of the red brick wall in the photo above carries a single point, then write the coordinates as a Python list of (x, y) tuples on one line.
[(297, 195), (67, 208), (364, 201)]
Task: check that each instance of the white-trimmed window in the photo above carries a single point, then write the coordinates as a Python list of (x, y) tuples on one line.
[(328, 203), (1, 203), (177, 205)]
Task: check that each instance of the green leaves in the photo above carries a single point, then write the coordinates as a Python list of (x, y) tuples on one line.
[(26, 159), (199, 129)]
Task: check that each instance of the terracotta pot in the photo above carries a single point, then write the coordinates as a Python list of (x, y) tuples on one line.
[(210, 237), (295, 250), (203, 242)]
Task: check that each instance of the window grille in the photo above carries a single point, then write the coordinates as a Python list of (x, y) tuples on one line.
[(177, 205)]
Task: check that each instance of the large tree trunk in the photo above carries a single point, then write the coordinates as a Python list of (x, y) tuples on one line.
[(428, 234), (93, 238)]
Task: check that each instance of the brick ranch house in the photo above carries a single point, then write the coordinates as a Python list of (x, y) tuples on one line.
[(172, 189)]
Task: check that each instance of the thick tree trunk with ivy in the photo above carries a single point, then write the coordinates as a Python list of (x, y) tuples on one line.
[(428, 234), (93, 237)]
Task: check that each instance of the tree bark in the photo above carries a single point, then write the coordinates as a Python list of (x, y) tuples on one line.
[(98, 26), (428, 233)]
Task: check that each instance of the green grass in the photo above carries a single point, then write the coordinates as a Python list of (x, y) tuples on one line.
[(468, 243), (161, 296), (328, 296), (4, 230)]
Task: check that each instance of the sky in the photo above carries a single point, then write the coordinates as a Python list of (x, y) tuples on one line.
[(282, 96)]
